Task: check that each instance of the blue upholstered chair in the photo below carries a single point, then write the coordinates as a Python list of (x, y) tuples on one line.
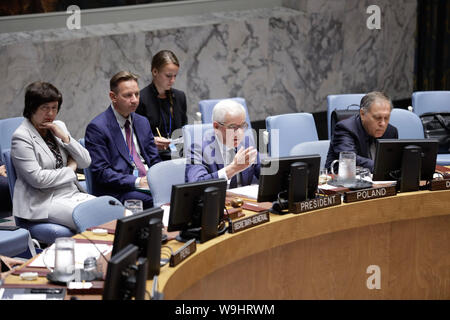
[(206, 108), (341, 101), (17, 242), (7, 128), (407, 123), (432, 101), (312, 147), (162, 176), (44, 232), (87, 174), (197, 133), (96, 212), (288, 130)]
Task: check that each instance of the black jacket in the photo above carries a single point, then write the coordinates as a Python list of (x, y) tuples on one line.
[(157, 112), (350, 135)]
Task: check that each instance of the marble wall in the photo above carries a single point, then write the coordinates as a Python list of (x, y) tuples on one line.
[(284, 59)]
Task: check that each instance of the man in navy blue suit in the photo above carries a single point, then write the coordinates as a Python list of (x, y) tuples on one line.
[(121, 144), (359, 133), (227, 152)]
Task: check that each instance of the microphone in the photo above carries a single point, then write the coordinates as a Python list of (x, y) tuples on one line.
[(114, 203)]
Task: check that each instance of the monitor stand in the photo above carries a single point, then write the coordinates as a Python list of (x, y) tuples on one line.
[(298, 189), (210, 218), (411, 167)]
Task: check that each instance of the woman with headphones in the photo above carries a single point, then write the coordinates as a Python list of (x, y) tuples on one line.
[(164, 106)]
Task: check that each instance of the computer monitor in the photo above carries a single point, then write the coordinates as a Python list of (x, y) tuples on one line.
[(302, 172), (126, 275), (406, 161), (144, 231), (196, 209)]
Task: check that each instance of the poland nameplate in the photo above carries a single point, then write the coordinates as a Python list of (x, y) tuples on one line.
[(317, 203), (372, 193)]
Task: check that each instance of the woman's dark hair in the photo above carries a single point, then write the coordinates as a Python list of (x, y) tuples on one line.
[(38, 93), (164, 57)]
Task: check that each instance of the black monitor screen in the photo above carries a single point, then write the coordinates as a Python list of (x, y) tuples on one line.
[(125, 277), (274, 182), (389, 153), (135, 229), (185, 212)]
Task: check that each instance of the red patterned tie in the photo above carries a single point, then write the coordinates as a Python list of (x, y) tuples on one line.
[(136, 158)]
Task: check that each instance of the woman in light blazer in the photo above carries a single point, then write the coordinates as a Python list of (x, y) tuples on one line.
[(46, 157)]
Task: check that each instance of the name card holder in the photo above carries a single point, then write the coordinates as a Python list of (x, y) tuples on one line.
[(248, 222), (185, 251), (371, 193), (440, 185), (317, 203)]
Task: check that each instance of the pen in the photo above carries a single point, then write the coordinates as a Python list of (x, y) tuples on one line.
[(159, 133)]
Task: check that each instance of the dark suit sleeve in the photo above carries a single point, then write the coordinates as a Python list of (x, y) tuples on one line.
[(196, 168), (346, 140), (102, 166), (149, 143)]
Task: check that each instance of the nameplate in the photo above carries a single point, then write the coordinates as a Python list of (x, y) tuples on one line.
[(249, 222), (372, 193), (440, 185), (317, 203), (185, 251)]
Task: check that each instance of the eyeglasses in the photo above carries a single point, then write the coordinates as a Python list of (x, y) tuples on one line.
[(47, 108), (234, 127)]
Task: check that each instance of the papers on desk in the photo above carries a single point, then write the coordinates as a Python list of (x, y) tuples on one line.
[(250, 192), (166, 214), (82, 251)]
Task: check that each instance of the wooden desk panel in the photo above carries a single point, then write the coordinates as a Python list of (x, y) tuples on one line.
[(324, 254)]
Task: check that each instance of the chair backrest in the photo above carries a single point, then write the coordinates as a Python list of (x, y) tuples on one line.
[(162, 176), (10, 171), (96, 212), (288, 130), (87, 173), (206, 108), (407, 123), (7, 128), (197, 133), (340, 101), (312, 147), (430, 101)]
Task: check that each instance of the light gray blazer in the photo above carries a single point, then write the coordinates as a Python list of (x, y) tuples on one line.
[(38, 180)]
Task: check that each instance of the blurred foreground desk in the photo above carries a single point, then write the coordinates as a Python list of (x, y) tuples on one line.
[(325, 254)]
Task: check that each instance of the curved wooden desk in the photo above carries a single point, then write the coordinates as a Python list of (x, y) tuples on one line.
[(325, 254)]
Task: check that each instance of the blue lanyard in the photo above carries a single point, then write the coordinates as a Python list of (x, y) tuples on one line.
[(165, 124)]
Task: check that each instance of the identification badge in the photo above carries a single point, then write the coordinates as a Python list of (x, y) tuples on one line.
[(135, 171), (173, 148)]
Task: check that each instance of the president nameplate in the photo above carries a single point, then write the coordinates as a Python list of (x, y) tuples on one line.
[(185, 251), (317, 203), (367, 194), (440, 185), (249, 222)]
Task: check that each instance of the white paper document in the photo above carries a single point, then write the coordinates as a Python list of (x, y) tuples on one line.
[(250, 192)]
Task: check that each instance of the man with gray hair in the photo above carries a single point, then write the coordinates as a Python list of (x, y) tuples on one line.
[(359, 132), (229, 152)]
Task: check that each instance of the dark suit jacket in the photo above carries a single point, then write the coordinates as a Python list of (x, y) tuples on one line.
[(150, 107), (205, 162), (350, 135), (111, 168)]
